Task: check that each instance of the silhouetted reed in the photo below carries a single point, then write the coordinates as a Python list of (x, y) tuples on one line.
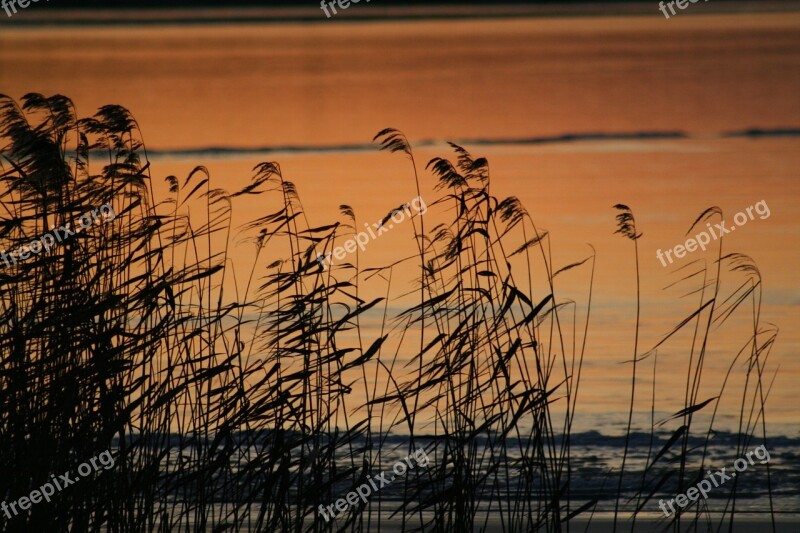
[(243, 405)]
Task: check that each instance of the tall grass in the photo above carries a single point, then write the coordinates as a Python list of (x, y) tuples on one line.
[(245, 404)]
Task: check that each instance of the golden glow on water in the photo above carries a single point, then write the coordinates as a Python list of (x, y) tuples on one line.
[(332, 85)]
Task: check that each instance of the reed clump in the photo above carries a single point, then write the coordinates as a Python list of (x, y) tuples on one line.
[(244, 405)]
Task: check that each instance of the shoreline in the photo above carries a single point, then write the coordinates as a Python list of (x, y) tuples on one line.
[(313, 15)]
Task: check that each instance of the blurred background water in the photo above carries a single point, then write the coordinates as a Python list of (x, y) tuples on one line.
[(575, 114)]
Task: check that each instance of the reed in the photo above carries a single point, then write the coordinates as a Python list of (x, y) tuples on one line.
[(244, 405)]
